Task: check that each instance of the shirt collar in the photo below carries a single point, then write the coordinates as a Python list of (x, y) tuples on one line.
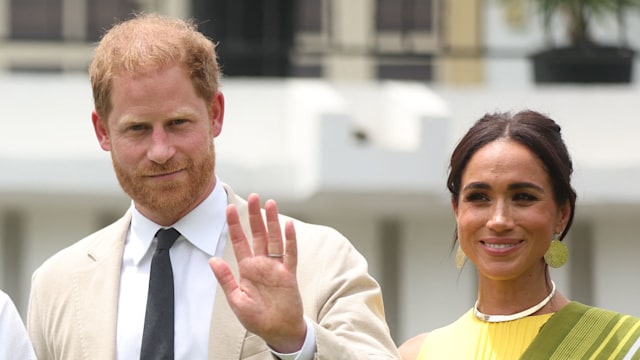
[(202, 226)]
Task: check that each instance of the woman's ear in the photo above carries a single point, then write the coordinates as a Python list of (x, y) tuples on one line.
[(563, 220), (454, 206)]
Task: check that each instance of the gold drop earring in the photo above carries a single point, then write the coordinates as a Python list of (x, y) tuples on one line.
[(460, 257), (557, 254)]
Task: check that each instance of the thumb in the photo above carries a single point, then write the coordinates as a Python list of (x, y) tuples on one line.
[(223, 273)]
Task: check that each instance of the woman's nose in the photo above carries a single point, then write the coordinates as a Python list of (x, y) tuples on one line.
[(500, 218)]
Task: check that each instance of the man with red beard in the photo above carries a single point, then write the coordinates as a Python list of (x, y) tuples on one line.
[(157, 111)]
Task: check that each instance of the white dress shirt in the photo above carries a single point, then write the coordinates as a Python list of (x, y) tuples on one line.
[(14, 341), (204, 234)]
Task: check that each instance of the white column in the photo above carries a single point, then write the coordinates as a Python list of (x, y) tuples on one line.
[(74, 17), (352, 31), (5, 19), (177, 8), (5, 27), (434, 292)]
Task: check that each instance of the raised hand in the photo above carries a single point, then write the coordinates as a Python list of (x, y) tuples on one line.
[(265, 298)]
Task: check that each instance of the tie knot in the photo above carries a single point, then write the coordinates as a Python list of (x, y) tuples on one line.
[(166, 238)]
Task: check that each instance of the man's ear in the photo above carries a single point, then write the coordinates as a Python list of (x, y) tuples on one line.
[(217, 113), (101, 131)]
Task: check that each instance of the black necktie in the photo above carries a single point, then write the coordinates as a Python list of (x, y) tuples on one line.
[(158, 335)]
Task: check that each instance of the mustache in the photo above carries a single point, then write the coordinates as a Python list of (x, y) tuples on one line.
[(161, 169)]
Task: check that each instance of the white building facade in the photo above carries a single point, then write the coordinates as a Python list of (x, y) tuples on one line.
[(363, 155)]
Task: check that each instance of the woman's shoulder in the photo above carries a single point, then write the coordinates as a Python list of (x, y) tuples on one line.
[(409, 349), (412, 347)]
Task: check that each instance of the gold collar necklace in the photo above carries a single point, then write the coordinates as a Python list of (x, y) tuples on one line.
[(520, 315)]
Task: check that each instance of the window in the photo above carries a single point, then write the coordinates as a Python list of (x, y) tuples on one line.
[(309, 17), (254, 36), (407, 38), (57, 35), (101, 15), (407, 26), (421, 71), (44, 19), (404, 15), (36, 19)]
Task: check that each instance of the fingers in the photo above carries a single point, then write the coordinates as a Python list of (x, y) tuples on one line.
[(258, 230), (291, 260), (274, 238), (267, 239), (236, 234)]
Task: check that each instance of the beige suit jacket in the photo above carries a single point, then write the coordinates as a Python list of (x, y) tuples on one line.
[(74, 295)]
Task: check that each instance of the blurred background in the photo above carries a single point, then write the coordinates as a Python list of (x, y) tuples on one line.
[(345, 111)]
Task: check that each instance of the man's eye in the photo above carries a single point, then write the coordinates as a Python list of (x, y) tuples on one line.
[(137, 127)]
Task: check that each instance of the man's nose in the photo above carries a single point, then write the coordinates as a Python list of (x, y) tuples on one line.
[(161, 148)]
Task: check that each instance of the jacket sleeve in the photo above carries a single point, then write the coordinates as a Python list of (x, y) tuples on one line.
[(340, 296), (35, 326)]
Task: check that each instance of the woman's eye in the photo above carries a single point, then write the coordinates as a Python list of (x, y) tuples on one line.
[(524, 197), (476, 197)]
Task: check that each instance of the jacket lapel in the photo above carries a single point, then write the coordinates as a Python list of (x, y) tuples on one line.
[(97, 309)]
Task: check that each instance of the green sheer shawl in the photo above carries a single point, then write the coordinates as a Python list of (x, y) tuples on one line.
[(579, 331)]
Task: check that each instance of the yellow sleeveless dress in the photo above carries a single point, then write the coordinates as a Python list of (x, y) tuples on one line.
[(469, 338)]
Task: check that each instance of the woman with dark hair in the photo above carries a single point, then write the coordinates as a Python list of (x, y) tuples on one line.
[(511, 193)]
